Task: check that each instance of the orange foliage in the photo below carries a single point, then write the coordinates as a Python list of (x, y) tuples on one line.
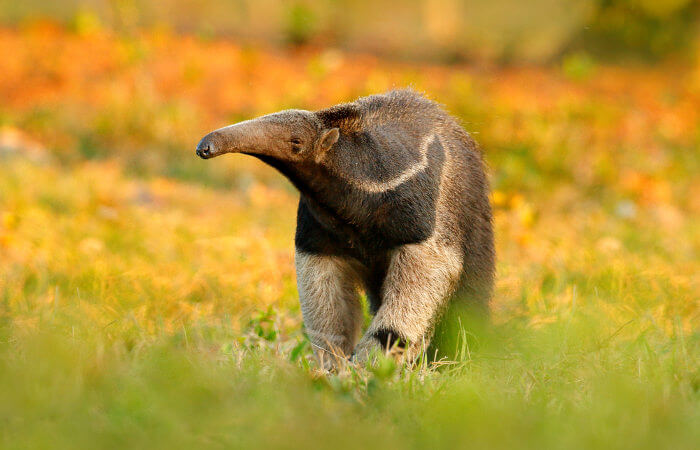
[(48, 65)]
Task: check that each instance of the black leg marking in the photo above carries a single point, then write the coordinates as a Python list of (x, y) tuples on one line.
[(388, 338)]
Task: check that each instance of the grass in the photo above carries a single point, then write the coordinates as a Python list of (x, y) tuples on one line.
[(148, 299)]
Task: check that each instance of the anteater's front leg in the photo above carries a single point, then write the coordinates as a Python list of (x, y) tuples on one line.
[(419, 280), (330, 305)]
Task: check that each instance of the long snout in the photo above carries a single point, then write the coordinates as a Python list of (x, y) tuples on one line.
[(247, 136)]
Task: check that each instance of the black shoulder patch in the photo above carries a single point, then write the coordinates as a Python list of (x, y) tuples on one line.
[(376, 157), (372, 222), (406, 214)]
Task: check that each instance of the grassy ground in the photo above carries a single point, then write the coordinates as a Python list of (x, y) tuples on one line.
[(147, 298)]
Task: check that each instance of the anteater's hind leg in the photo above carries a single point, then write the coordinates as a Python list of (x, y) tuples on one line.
[(419, 280), (462, 325), (330, 305)]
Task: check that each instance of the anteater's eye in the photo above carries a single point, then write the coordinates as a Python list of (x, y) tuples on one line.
[(296, 144)]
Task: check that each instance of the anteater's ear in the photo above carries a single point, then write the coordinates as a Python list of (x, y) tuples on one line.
[(328, 138)]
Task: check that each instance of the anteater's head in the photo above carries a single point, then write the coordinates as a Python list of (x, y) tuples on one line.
[(286, 136)]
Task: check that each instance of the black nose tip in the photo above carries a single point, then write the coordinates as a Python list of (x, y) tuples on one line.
[(205, 149)]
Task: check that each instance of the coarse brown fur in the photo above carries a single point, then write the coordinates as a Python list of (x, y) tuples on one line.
[(394, 201)]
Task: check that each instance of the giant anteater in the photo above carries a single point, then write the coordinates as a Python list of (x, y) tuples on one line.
[(394, 201)]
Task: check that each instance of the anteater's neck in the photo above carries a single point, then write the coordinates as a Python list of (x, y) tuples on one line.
[(319, 188)]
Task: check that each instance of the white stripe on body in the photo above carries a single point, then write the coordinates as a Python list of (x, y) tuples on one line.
[(375, 187)]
